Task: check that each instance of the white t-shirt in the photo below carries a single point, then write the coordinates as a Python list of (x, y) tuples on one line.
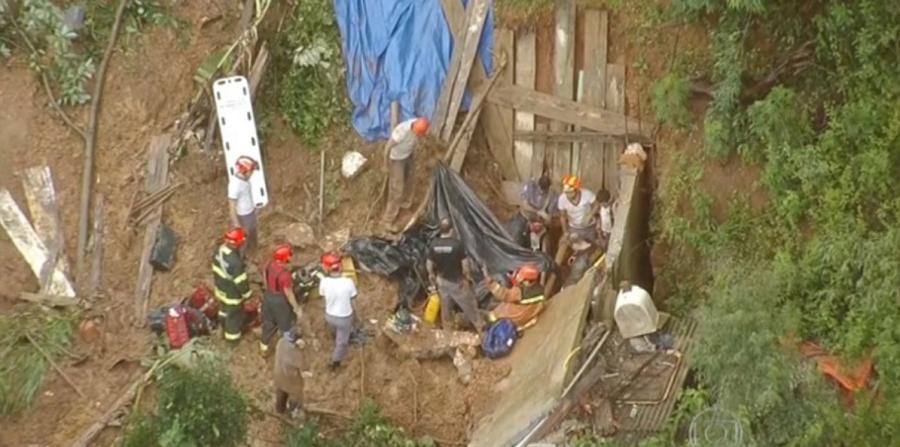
[(239, 190), (606, 222), (579, 214), (404, 140), (338, 294)]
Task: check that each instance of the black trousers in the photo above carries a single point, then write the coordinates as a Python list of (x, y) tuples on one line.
[(277, 315)]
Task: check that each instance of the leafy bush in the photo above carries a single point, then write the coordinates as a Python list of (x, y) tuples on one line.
[(369, 428), (669, 97), (311, 88), (22, 366), (195, 407)]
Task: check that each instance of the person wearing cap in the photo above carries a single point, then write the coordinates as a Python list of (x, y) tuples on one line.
[(449, 272), (288, 373), (242, 210), (535, 207), (577, 209), (399, 155), (280, 309)]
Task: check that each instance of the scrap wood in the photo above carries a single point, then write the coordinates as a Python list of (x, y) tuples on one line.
[(48, 300), (54, 365), (43, 205), (157, 173), (560, 109), (460, 144), (477, 13), (90, 141), (260, 63), (29, 245)]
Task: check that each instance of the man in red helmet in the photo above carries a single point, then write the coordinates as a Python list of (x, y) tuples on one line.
[(231, 286), (398, 158), (240, 201), (280, 309), (339, 292), (522, 302)]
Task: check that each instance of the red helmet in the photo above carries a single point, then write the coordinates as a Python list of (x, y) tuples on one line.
[(236, 236), (283, 253), (420, 126), (527, 272), (571, 182), (331, 261), (245, 165)]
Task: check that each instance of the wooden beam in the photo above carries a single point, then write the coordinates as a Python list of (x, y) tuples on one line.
[(44, 209), (476, 16), (527, 100), (576, 136), (615, 102), (524, 120), (442, 108), (563, 81), (157, 174), (30, 245), (460, 145), (595, 38)]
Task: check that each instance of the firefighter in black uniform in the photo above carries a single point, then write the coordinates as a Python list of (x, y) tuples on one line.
[(232, 287)]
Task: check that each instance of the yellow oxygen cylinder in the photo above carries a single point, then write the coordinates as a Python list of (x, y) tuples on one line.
[(432, 307)]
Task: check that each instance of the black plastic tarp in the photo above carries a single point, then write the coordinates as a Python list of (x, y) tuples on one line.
[(486, 241)]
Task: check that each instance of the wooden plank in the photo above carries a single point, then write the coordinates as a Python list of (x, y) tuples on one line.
[(30, 245), (538, 158), (576, 148), (575, 136), (48, 300), (596, 31), (526, 100), (157, 174), (439, 117), (475, 21), (524, 120), (40, 194), (563, 81), (615, 102), (498, 134), (460, 145)]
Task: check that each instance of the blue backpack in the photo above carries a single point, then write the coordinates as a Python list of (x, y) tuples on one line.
[(499, 339)]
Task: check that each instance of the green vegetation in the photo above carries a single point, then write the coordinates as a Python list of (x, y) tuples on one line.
[(197, 405), (369, 428), (311, 89), (818, 258), (22, 366), (522, 13), (669, 99), (54, 49)]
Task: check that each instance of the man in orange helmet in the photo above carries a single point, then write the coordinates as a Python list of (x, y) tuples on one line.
[(398, 158), (231, 286), (578, 208), (522, 302), (240, 201), (280, 309)]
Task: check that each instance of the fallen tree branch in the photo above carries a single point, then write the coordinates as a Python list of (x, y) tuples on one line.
[(90, 141), (54, 365)]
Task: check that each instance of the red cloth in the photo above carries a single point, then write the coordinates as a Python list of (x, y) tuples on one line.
[(278, 278), (850, 378)]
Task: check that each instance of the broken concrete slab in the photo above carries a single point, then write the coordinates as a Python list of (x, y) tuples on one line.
[(432, 343), (336, 240), (299, 234)]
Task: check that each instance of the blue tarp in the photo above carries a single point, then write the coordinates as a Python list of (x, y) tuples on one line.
[(397, 50)]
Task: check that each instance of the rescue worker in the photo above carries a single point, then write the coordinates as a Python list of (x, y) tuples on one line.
[(535, 207), (449, 271), (230, 280), (241, 209), (288, 373), (339, 293), (399, 155), (280, 308), (578, 208), (522, 302)]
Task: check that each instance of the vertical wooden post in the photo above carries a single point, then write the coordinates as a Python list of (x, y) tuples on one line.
[(524, 76), (592, 159), (563, 80), (395, 114), (615, 101)]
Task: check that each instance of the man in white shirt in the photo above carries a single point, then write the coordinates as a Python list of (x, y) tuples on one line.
[(338, 292), (578, 208), (240, 201), (398, 158)]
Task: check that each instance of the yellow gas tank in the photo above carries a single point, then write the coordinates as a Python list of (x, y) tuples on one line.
[(432, 307)]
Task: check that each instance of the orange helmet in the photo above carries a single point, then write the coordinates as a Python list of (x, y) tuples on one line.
[(245, 165), (331, 261), (420, 126), (236, 236), (571, 182), (283, 253), (527, 272)]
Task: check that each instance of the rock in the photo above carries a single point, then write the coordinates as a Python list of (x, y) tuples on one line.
[(299, 234), (89, 331), (462, 360), (336, 240), (352, 164)]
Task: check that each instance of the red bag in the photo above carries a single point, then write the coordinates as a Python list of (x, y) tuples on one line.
[(177, 326), (251, 309), (202, 300)]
